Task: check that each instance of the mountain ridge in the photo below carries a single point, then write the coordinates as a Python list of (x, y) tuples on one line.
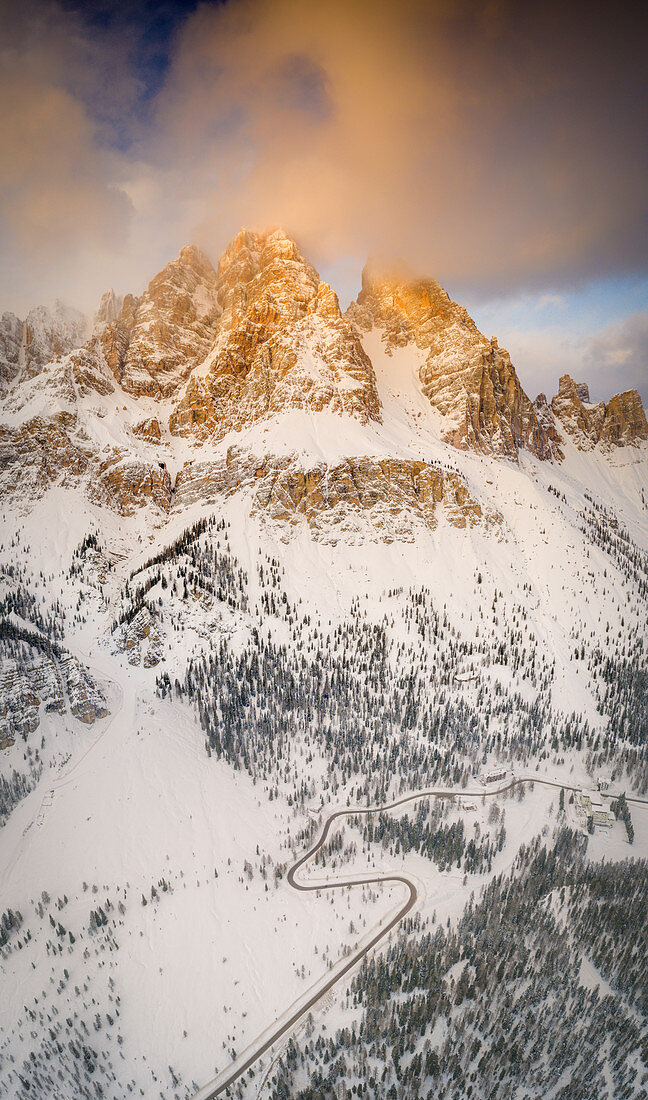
[(208, 357)]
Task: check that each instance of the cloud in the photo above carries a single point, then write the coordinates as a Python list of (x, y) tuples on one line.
[(53, 188), (556, 301), (616, 358), (496, 145), (62, 210), (493, 144)]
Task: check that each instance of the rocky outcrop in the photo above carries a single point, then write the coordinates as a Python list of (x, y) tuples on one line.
[(126, 484), (582, 424), (383, 498), (468, 379), (41, 451), (620, 422), (85, 698), (11, 338), (547, 422), (88, 371), (625, 420), (45, 335), (108, 309), (156, 340), (55, 684), (282, 343), (50, 333), (148, 429), (140, 639)]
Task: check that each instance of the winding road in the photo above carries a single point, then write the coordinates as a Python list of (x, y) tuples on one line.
[(229, 1077)]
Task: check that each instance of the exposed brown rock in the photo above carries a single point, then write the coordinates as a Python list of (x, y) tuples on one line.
[(157, 339), (282, 343), (86, 699), (625, 420), (467, 378), (395, 496), (619, 422), (148, 429), (86, 369), (140, 639), (52, 682), (40, 452), (584, 425), (547, 421), (128, 484)]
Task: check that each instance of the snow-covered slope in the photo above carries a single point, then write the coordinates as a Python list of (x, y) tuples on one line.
[(252, 576)]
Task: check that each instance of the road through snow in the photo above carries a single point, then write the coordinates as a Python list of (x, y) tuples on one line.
[(219, 1085)]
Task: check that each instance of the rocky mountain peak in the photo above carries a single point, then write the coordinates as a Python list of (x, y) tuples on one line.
[(619, 422), (46, 333), (402, 305), (155, 341), (259, 266), (108, 309), (50, 331), (281, 343), (625, 420), (467, 378)]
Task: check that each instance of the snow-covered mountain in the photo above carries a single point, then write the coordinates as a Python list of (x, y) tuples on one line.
[(259, 558)]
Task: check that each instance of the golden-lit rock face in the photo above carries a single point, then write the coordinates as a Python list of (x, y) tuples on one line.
[(620, 422), (148, 429), (467, 378), (388, 498), (42, 452), (625, 419), (282, 343), (207, 350)]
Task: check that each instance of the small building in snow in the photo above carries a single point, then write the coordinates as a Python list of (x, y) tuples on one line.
[(494, 776), (593, 806)]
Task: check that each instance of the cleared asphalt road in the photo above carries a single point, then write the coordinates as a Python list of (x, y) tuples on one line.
[(212, 1090)]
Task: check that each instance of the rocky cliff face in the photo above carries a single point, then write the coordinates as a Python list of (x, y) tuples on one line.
[(282, 343), (468, 379), (620, 422), (46, 334), (140, 639), (11, 333), (625, 420), (391, 497), (56, 684), (126, 484), (154, 341), (43, 451)]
